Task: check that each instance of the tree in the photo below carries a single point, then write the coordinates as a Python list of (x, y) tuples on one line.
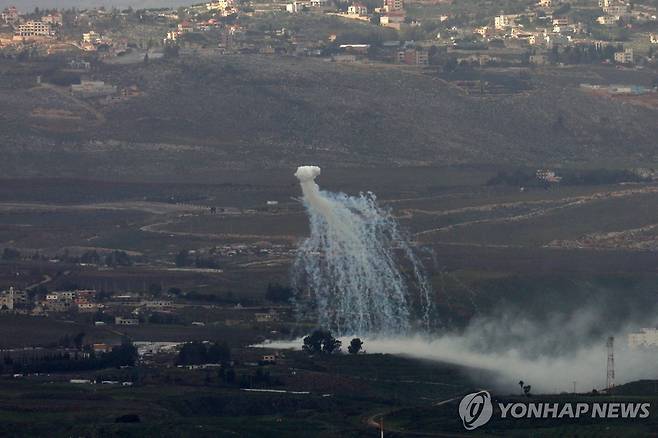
[(278, 293), (219, 352), (182, 258), (321, 341), (123, 355), (155, 289), (11, 254), (192, 353), (525, 388), (355, 346), (78, 339)]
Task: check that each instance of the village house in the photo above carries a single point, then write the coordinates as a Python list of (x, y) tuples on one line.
[(358, 9), (502, 22), (624, 57), (412, 56), (393, 5), (538, 59), (392, 19), (119, 320), (54, 19), (13, 297), (91, 37), (9, 15), (101, 348)]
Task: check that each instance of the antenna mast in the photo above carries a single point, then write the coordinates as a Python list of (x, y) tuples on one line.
[(610, 380)]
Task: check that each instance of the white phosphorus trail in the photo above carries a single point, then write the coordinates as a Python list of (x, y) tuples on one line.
[(348, 268)]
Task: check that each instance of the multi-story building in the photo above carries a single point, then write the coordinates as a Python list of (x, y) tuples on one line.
[(357, 9), (503, 21), (91, 37), (34, 30), (393, 5), (624, 57), (413, 57), (620, 11)]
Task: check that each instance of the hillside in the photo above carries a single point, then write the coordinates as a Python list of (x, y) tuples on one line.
[(200, 116)]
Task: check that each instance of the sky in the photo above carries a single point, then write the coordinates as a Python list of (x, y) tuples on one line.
[(29, 5)]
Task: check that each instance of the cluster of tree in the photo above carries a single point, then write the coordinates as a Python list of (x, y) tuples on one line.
[(114, 258), (163, 318), (184, 259), (355, 346), (525, 388), (68, 341), (321, 341), (11, 254), (278, 293), (227, 298), (196, 353), (118, 258), (260, 377), (582, 54), (122, 355)]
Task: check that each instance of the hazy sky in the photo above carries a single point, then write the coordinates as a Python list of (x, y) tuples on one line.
[(29, 5)]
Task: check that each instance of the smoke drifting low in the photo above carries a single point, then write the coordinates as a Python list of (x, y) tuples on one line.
[(549, 356)]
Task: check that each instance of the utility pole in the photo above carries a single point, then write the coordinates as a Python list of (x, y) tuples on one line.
[(381, 428), (610, 379)]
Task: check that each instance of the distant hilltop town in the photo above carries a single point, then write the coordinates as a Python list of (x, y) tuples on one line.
[(546, 33)]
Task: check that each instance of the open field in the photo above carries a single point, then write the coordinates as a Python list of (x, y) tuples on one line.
[(342, 391)]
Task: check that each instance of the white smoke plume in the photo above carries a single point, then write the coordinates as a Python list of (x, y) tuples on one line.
[(348, 267)]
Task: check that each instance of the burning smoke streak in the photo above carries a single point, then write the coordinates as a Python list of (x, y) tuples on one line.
[(349, 268)]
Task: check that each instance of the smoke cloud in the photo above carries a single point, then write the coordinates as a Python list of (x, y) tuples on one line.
[(549, 356)]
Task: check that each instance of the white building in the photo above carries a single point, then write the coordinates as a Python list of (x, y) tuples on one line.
[(502, 22), (646, 337), (63, 296), (607, 20), (91, 37), (34, 29), (357, 9), (219, 5), (625, 57), (296, 7)]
